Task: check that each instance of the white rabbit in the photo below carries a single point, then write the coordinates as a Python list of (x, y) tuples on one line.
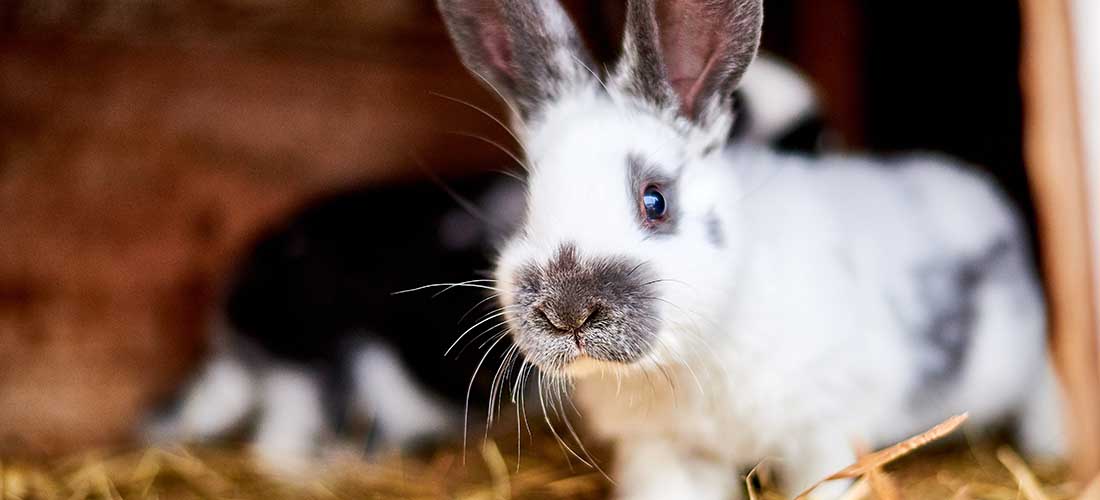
[(278, 357), (714, 306)]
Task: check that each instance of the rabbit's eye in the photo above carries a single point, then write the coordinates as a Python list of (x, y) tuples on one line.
[(654, 203)]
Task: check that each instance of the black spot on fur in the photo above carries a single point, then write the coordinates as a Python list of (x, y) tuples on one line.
[(690, 55), (948, 292), (804, 136), (742, 117)]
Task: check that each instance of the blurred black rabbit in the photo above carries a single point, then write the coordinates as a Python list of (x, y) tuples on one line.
[(368, 308), (317, 336)]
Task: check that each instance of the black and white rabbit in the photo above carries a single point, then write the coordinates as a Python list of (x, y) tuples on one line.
[(715, 306), (312, 336)]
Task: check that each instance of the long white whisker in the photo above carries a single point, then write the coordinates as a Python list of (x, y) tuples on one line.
[(470, 388), (483, 111), (580, 444), (546, 416), (594, 75), (475, 306), (479, 323), (496, 144), (497, 384), (449, 286), (511, 107)]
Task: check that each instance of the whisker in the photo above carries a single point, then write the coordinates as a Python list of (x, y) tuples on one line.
[(495, 310), (493, 143), (497, 383), (494, 337), (594, 75), (493, 332), (580, 444), (470, 388), (483, 111), (636, 268), (546, 415), (471, 284), (513, 175), (479, 323), (480, 302), (511, 107)]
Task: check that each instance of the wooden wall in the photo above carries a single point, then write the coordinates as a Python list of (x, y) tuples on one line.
[(143, 143)]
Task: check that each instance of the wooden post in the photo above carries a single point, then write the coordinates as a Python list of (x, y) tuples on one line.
[(1055, 157)]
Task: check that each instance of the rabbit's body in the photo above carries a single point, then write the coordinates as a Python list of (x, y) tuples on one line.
[(716, 307), (311, 337), (867, 302), (315, 335)]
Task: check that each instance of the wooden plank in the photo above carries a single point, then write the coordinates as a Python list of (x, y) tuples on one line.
[(1054, 153), (131, 174)]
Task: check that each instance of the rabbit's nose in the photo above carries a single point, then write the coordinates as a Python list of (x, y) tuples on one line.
[(566, 317)]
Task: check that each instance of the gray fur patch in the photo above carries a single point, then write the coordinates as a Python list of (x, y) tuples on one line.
[(641, 69), (948, 292), (513, 46), (713, 224), (642, 174), (689, 54), (601, 307)]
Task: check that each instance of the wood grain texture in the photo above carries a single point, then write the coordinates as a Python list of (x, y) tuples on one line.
[(1054, 151), (135, 167)]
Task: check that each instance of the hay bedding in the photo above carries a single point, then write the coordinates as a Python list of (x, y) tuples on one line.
[(488, 470)]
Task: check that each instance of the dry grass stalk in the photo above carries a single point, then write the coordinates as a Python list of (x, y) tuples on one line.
[(962, 494), (182, 473), (498, 470), (875, 460), (1026, 480), (748, 483)]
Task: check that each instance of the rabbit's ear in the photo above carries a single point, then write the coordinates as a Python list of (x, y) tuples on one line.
[(527, 50), (689, 54)]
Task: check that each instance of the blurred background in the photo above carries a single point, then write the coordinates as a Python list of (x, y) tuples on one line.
[(144, 143)]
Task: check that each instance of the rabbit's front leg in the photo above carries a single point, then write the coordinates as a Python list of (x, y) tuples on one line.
[(659, 469)]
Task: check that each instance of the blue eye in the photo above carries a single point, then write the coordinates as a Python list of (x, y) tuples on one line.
[(654, 203)]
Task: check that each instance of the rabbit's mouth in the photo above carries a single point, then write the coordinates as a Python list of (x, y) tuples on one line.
[(573, 309)]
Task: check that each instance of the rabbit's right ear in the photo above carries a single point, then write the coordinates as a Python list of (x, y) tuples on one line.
[(689, 54), (527, 50)]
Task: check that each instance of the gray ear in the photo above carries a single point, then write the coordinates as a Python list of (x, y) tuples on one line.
[(689, 54), (527, 50)]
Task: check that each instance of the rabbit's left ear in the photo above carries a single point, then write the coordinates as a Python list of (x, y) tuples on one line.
[(689, 54), (526, 50)]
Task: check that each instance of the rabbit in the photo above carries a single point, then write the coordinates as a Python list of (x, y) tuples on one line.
[(315, 336), (777, 105), (310, 338), (711, 305)]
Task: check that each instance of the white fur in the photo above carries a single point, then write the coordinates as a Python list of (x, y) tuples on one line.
[(778, 95), (785, 343), (287, 400), (292, 421), (218, 400), (399, 406)]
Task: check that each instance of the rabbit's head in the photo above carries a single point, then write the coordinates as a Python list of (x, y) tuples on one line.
[(624, 253)]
